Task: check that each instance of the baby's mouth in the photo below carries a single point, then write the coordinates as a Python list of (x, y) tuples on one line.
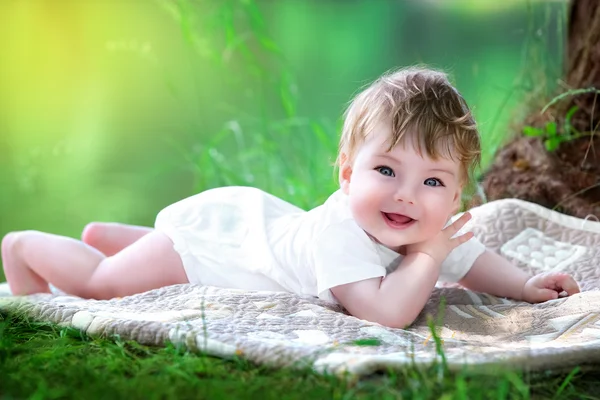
[(397, 221)]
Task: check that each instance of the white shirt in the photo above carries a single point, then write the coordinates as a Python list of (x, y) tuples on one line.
[(238, 231), (334, 250)]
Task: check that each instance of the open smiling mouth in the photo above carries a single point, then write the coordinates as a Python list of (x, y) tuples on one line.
[(397, 221)]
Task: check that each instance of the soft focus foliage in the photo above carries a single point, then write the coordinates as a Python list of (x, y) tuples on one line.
[(110, 110)]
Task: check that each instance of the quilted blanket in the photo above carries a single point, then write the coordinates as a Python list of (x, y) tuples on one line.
[(284, 329)]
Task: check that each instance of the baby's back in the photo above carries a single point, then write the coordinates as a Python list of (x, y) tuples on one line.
[(243, 229)]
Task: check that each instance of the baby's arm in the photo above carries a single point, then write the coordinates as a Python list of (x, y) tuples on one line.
[(397, 299), (495, 275)]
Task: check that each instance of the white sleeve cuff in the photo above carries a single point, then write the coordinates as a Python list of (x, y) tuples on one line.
[(460, 260)]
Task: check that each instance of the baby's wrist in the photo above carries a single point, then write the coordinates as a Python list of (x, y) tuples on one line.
[(524, 289), (425, 258)]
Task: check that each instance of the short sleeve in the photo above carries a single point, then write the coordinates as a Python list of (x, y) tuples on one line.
[(460, 260), (343, 253)]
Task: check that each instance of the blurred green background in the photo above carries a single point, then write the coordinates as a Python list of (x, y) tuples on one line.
[(111, 110)]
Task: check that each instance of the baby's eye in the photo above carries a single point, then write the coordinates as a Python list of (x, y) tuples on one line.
[(433, 182), (386, 171)]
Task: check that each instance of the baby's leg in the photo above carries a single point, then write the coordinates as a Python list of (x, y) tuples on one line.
[(111, 237), (32, 259)]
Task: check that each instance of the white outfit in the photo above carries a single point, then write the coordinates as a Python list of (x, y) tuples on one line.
[(244, 238)]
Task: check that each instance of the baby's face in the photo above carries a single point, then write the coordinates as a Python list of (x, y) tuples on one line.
[(400, 197)]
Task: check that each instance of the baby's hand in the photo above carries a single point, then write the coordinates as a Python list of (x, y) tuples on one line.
[(443, 243), (548, 286)]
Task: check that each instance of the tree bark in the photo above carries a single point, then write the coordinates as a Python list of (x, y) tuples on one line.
[(567, 179), (583, 44), (583, 61)]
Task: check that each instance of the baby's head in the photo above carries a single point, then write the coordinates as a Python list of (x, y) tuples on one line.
[(409, 145), (414, 101)]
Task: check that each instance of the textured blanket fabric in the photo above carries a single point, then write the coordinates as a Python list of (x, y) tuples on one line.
[(283, 329)]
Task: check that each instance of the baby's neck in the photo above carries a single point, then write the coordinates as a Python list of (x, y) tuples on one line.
[(398, 249)]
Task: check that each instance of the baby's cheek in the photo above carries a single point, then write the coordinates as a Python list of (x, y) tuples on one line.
[(433, 227), (361, 208), (438, 226)]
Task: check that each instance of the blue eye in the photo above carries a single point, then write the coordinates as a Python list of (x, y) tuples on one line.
[(386, 171), (433, 182)]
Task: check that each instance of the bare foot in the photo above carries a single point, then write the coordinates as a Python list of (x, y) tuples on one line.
[(94, 234), (112, 237), (21, 279)]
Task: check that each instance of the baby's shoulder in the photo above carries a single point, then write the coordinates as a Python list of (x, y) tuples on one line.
[(343, 233), (333, 219)]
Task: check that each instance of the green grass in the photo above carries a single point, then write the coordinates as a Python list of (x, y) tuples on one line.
[(43, 361), (266, 143)]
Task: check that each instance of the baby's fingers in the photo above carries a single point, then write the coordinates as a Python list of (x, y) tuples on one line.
[(457, 241), (541, 295), (454, 227), (567, 284)]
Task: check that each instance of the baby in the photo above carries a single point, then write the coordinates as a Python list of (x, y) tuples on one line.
[(377, 246)]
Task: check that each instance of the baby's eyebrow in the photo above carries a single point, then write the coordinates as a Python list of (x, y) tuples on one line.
[(447, 171), (444, 170), (383, 155)]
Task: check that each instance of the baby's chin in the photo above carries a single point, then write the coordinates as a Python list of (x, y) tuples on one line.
[(387, 242), (398, 244)]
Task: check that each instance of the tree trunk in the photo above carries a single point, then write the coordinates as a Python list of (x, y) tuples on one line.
[(583, 44), (568, 178)]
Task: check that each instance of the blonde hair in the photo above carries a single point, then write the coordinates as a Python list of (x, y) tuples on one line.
[(414, 101)]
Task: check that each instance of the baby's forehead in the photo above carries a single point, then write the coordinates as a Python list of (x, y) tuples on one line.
[(438, 158), (439, 150)]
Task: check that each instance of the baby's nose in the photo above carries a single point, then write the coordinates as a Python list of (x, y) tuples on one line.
[(405, 194)]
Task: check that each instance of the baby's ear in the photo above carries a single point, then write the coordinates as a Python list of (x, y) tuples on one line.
[(345, 173)]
